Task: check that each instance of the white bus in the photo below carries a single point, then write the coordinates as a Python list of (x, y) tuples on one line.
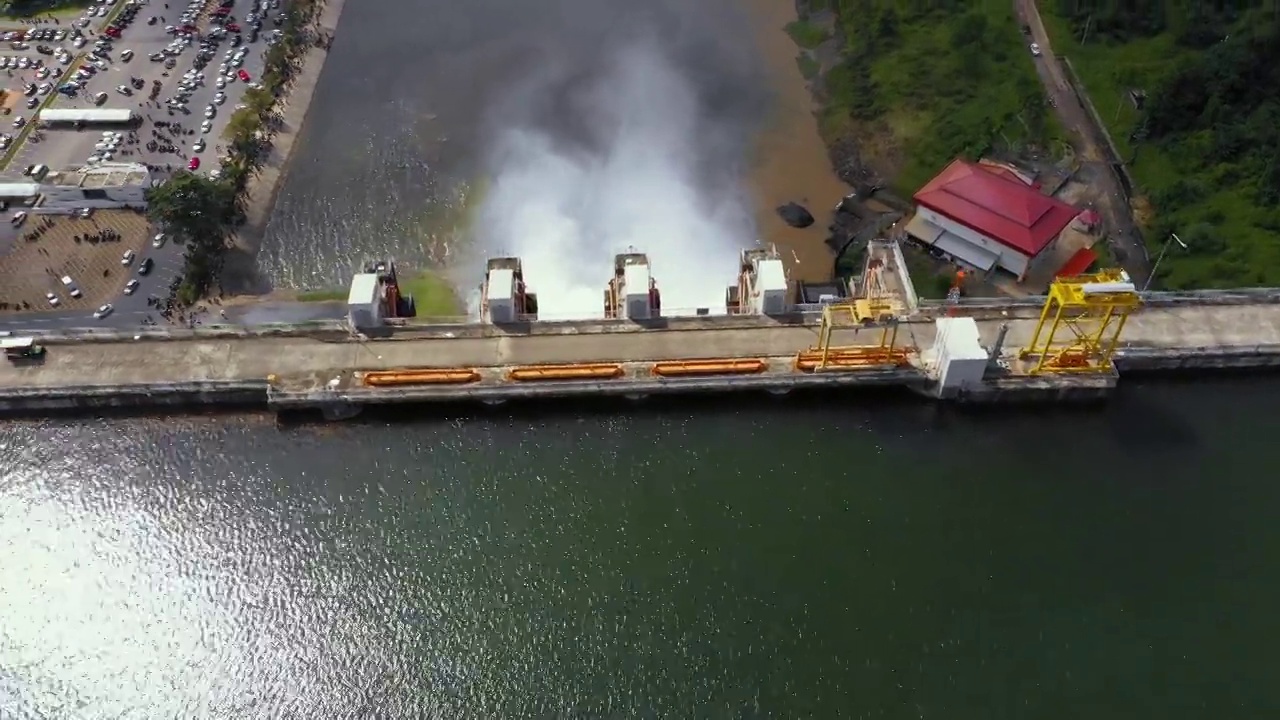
[(21, 348)]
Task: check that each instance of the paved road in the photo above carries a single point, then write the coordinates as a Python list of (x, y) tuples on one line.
[(130, 313), (1091, 148), (256, 358)]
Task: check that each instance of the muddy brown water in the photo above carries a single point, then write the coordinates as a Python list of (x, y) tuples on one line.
[(376, 160), (791, 163)]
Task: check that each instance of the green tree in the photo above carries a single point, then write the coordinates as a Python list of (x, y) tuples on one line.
[(198, 211), (242, 125), (191, 205)]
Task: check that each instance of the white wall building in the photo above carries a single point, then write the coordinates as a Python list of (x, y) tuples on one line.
[(988, 217), (108, 185), (957, 357), (364, 302)]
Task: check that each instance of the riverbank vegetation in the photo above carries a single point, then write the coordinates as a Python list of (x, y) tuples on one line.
[(433, 296), (1190, 93), (918, 84), (26, 9), (203, 210)]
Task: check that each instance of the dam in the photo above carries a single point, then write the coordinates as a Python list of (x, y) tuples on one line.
[(1074, 344)]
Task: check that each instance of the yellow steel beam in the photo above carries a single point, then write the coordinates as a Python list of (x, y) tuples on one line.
[(1095, 321)]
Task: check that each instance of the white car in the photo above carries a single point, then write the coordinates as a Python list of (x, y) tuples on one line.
[(1035, 49), (79, 41), (158, 240), (206, 126), (130, 287), (209, 112), (219, 98), (103, 311), (220, 83), (19, 217), (127, 258), (53, 299), (199, 146)]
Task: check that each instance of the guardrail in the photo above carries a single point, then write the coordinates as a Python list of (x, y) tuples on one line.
[(208, 332), (1238, 296), (446, 325)]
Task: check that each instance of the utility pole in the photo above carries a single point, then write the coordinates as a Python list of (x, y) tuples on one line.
[(1173, 237)]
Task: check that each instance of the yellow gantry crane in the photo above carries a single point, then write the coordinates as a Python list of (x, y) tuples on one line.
[(1081, 323), (876, 310)]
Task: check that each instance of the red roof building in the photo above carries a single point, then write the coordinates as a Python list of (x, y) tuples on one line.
[(987, 215)]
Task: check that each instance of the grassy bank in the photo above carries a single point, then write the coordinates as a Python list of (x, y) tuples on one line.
[(922, 83), (432, 294), (202, 210), (25, 9), (1205, 146)]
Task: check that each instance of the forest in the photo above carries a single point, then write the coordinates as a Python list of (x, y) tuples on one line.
[(1203, 138), (921, 82)]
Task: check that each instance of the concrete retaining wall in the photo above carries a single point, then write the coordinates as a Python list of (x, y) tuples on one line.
[(870, 377), (1151, 360), (33, 400), (345, 403)]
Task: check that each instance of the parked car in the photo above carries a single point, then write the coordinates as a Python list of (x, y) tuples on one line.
[(70, 285)]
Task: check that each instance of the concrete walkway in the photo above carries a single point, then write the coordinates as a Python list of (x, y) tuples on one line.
[(94, 363)]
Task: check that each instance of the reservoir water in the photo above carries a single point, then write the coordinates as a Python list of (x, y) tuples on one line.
[(761, 559)]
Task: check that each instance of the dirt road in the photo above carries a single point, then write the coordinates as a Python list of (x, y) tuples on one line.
[(1091, 147)]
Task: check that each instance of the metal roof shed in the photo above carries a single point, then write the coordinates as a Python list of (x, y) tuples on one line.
[(19, 190), (987, 201), (87, 115)]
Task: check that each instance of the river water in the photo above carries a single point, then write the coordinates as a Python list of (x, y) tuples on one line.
[(417, 101), (764, 558)]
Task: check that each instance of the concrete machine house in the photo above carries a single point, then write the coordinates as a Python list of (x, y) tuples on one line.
[(987, 216), (108, 185)]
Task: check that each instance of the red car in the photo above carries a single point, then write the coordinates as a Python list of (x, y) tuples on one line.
[(194, 164), (113, 32), (244, 75), (222, 12), (232, 27)]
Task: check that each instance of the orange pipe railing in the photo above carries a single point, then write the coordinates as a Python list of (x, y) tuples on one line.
[(693, 368), (392, 378), (585, 371), (852, 359)]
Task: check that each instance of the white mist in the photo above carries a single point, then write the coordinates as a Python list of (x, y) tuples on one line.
[(566, 208)]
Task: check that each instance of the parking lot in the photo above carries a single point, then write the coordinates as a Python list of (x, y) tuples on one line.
[(90, 251), (61, 148), (172, 145)]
